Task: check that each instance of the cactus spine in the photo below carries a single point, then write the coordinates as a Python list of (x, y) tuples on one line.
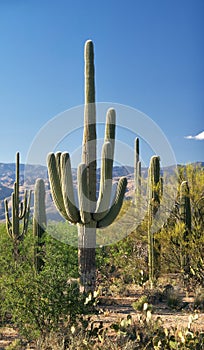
[(185, 216), (154, 194), (39, 222), (92, 212), (19, 213)]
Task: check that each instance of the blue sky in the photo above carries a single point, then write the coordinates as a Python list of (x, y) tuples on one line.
[(149, 55)]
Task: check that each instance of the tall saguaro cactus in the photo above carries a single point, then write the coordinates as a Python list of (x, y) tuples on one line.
[(185, 216), (17, 225), (154, 195), (39, 222), (137, 174), (93, 212)]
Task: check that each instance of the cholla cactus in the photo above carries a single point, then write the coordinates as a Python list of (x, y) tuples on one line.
[(92, 212), (17, 225), (39, 222)]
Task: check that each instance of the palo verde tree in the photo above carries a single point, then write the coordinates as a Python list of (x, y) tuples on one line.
[(93, 212)]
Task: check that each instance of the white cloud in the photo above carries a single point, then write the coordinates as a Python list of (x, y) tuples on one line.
[(196, 137)]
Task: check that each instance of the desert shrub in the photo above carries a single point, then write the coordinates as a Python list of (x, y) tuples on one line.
[(199, 300), (139, 304), (39, 302), (125, 260), (149, 333), (142, 333), (174, 300)]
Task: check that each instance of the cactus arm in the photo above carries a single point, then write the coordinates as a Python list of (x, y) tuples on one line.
[(58, 163), (67, 189), (23, 206), (137, 150), (110, 129), (105, 190), (8, 221), (115, 209), (103, 202), (15, 205), (84, 204), (154, 178), (138, 180), (55, 185), (26, 213), (15, 223)]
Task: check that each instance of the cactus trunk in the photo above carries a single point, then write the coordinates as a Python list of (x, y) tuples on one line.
[(185, 217), (87, 231), (39, 223), (154, 191), (137, 177), (86, 256)]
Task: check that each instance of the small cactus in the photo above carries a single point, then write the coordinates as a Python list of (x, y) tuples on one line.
[(39, 222), (17, 225), (185, 217), (154, 196), (137, 179)]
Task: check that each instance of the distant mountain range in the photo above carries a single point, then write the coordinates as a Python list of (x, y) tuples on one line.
[(29, 174)]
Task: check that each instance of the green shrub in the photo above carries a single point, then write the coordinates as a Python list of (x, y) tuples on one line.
[(139, 304), (39, 302)]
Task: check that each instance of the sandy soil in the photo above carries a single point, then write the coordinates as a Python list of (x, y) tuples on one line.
[(114, 309)]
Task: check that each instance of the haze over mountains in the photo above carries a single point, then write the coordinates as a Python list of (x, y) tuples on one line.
[(29, 174)]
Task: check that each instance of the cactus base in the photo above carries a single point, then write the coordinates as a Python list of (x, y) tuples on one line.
[(86, 256)]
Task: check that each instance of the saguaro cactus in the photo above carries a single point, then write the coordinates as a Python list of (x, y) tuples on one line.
[(185, 217), (39, 222), (92, 213), (137, 174), (17, 225), (154, 195)]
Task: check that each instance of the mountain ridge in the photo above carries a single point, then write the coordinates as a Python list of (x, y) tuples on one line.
[(29, 174)]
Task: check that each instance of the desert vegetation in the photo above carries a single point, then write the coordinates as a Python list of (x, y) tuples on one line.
[(125, 295)]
